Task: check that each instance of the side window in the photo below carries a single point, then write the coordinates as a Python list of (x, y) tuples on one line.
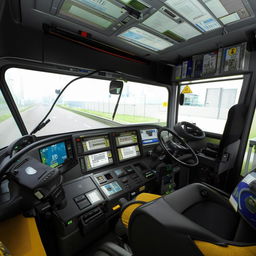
[(207, 103), (8, 128), (249, 162)]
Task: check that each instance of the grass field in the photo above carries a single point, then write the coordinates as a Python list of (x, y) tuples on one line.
[(6, 116), (118, 118)]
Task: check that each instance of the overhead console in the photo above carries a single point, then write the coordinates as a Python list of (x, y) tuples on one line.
[(152, 26)]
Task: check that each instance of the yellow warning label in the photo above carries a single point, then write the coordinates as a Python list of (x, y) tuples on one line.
[(232, 51), (165, 104), (186, 90)]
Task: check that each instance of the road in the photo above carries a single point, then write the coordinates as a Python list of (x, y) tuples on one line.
[(61, 121)]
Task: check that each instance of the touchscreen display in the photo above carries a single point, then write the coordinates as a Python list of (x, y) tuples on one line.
[(149, 136), (126, 138), (128, 152), (54, 155), (111, 188), (98, 160), (95, 143)]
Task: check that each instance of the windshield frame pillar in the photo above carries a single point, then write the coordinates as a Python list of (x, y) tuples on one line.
[(11, 104)]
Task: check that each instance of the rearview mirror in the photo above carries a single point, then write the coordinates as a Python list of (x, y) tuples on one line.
[(115, 87), (181, 99)]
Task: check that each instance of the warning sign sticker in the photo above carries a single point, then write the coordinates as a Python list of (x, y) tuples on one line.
[(232, 51), (187, 89)]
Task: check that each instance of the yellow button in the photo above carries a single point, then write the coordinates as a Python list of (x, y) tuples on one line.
[(116, 207), (142, 188)]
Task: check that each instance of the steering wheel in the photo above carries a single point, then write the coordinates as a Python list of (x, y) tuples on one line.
[(189, 131), (177, 148)]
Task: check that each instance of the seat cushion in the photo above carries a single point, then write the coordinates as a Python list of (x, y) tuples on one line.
[(209, 249), (214, 217)]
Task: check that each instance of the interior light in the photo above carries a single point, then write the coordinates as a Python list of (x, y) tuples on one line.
[(175, 29), (195, 12), (85, 16), (104, 6), (135, 4), (227, 11), (145, 39), (101, 13)]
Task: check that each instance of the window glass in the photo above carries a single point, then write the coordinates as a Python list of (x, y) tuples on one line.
[(8, 128), (86, 103), (207, 104), (249, 162)]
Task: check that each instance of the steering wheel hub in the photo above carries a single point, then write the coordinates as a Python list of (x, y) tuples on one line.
[(175, 147)]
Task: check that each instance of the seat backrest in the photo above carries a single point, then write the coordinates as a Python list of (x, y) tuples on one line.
[(234, 126)]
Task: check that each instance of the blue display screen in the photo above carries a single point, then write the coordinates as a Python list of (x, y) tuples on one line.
[(111, 188), (54, 155)]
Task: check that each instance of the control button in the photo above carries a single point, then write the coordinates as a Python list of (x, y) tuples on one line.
[(108, 176), (120, 173), (116, 207), (39, 194), (101, 179), (124, 180), (133, 193), (97, 210), (129, 169), (134, 176), (83, 204), (80, 198), (142, 188), (149, 174)]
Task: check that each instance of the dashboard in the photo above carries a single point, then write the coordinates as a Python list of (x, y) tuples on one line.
[(101, 166), (98, 168)]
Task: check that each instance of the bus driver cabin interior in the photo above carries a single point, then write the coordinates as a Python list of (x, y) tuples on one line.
[(127, 127)]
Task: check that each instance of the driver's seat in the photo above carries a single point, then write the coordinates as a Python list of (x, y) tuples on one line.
[(195, 220), (224, 154)]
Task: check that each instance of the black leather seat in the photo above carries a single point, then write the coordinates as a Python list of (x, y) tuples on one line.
[(222, 157), (173, 225), (193, 221)]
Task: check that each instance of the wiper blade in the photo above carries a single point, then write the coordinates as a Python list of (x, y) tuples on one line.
[(117, 104), (40, 126)]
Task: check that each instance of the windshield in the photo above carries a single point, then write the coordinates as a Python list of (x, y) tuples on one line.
[(86, 103)]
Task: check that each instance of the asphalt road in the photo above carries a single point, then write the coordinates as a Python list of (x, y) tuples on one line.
[(61, 121)]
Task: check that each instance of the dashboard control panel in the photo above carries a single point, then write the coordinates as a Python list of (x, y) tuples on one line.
[(109, 164)]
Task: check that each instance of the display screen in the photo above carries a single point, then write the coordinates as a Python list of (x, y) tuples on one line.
[(145, 39), (97, 13), (178, 31), (126, 138), (98, 160), (128, 152), (95, 143), (196, 13), (149, 136), (54, 155), (111, 188)]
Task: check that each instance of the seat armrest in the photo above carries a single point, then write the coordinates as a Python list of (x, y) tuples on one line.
[(226, 195), (212, 146), (207, 160)]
